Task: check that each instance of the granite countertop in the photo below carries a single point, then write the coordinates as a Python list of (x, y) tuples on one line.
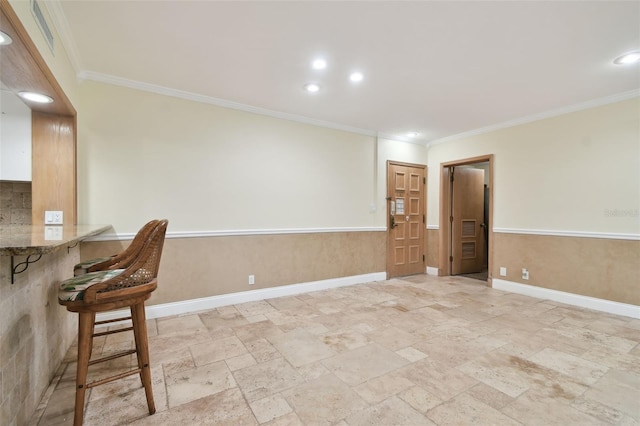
[(24, 240)]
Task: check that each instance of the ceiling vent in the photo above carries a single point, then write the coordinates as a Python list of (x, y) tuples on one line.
[(36, 10)]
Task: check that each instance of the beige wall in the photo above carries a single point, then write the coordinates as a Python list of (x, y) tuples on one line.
[(212, 170), (433, 248), (578, 175), (206, 167), (192, 268), (596, 267), (558, 174)]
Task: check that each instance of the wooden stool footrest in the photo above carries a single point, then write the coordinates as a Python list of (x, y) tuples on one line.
[(112, 378), (114, 356), (113, 320), (105, 333)]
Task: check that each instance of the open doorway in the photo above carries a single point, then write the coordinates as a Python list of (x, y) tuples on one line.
[(466, 200)]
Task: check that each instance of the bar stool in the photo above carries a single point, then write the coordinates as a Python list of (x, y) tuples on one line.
[(109, 290), (117, 261)]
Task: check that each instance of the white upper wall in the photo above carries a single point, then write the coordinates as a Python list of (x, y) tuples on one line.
[(579, 172), (15, 138), (576, 172), (208, 168)]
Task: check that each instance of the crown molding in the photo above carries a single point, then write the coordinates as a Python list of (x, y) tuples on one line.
[(536, 117), (61, 25), (195, 97)]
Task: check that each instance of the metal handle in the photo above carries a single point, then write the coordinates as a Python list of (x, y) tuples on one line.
[(392, 222)]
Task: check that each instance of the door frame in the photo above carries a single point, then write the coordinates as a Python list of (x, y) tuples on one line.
[(388, 212), (444, 242)]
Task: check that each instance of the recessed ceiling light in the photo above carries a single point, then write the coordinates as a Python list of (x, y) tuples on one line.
[(36, 97), (356, 77), (319, 64), (413, 134), (311, 87), (628, 58), (4, 39)]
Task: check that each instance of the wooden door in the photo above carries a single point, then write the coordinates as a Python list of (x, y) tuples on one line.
[(406, 219), (467, 219)]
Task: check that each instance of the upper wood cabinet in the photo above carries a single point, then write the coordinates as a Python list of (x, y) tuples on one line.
[(53, 132)]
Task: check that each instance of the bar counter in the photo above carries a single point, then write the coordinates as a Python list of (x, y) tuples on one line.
[(35, 331), (25, 240)]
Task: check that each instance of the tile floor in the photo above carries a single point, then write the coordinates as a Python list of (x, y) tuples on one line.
[(416, 351)]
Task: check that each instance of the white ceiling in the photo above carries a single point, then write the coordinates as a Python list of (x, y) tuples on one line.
[(440, 68)]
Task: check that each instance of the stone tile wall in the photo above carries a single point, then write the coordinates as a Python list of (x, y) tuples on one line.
[(15, 203), (35, 332)]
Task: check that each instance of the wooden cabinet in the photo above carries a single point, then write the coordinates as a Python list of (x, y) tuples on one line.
[(53, 125)]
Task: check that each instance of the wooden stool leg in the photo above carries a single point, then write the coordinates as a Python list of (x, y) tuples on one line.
[(142, 348), (86, 323)]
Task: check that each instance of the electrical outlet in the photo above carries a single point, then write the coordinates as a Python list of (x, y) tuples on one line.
[(525, 274), (53, 217), (503, 271), (252, 279)]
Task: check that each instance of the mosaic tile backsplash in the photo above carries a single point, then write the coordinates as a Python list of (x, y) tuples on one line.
[(15, 203)]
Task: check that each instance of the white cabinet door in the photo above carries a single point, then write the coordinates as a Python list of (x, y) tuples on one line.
[(15, 138)]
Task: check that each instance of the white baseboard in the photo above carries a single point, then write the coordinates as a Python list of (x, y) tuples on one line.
[(588, 302), (206, 303), (432, 271)]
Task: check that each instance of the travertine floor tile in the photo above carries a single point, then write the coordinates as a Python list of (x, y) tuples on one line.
[(392, 411), (443, 382), (223, 408), (411, 354), (380, 388), (490, 395), (392, 338), (588, 372), (420, 399), (220, 349), (414, 351), (466, 410), (241, 361), (180, 325), (324, 400), (619, 390), (269, 408), (266, 379), (345, 340), (189, 385), (300, 347), (361, 364), (533, 410)]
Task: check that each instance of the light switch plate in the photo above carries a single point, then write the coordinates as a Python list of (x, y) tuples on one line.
[(53, 233), (53, 217)]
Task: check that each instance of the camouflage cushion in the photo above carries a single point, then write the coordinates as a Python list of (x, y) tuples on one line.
[(73, 288)]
